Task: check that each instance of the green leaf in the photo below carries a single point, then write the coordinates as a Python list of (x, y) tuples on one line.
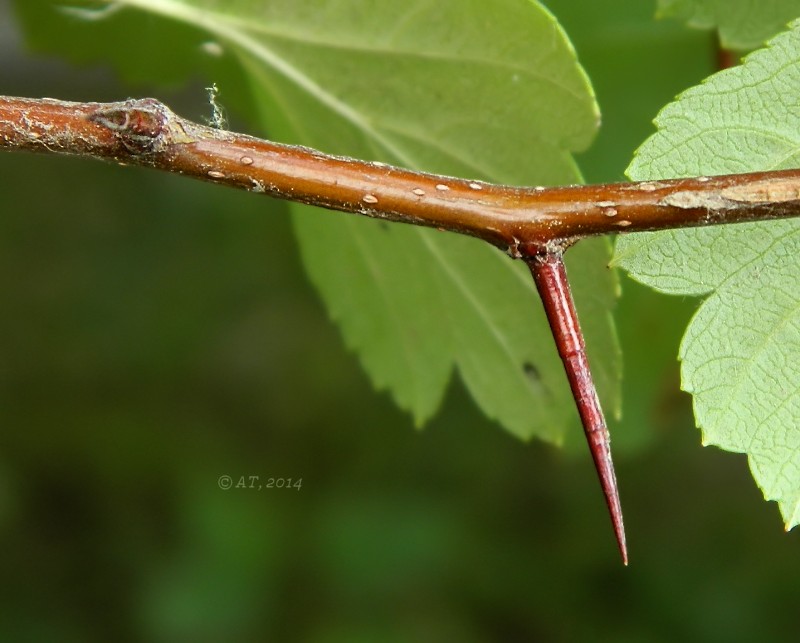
[(741, 352), (742, 24), (488, 90), (618, 40)]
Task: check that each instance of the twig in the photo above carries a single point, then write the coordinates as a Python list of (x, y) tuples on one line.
[(519, 220)]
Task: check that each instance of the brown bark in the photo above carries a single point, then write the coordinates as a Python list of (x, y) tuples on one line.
[(519, 220)]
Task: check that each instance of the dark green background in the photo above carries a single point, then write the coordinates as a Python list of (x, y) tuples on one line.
[(156, 334)]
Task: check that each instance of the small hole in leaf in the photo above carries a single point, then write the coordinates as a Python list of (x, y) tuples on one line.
[(531, 371)]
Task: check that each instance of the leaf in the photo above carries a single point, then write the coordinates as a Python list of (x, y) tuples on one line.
[(741, 352), (462, 87), (618, 40), (742, 24)]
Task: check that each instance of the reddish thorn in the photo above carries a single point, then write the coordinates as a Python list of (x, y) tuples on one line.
[(550, 276)]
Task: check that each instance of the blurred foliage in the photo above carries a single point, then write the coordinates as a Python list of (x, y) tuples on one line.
[(156, 334), (742, 24), (387, 82)]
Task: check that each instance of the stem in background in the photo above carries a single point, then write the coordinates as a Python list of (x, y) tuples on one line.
[(725, 58), (550, 276), (519, 220)]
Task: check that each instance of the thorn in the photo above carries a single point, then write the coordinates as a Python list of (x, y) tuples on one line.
[(550, 276), (601, 454)]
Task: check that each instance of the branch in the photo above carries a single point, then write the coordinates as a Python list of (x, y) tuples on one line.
[(519, 220), (536, 223)]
